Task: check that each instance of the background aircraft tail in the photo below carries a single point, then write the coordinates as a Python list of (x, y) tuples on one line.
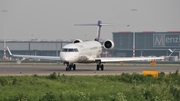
[(172, 51), (100, 24)]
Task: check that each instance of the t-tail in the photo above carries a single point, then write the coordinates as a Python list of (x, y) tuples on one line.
[(100, 24)]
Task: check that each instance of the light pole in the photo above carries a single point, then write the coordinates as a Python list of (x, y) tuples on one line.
[(141, 53), (134, 40), (4, 11)]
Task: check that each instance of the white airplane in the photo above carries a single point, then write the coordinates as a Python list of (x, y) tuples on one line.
[(86, 52)]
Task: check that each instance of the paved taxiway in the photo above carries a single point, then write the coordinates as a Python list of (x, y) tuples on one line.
[(30, 69)]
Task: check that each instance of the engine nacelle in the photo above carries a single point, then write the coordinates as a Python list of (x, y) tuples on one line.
[(77, 41), (108, 44)]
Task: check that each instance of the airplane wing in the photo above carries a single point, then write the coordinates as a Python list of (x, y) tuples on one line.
[(104, 59), (38, 57), (34, 57)]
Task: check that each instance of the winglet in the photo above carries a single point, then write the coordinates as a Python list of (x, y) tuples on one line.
[(9, 51)]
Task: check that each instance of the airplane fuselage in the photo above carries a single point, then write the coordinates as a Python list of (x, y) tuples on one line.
[(81, 52)]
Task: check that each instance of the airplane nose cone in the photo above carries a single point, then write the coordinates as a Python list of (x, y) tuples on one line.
[(68, 57), (64, 58)]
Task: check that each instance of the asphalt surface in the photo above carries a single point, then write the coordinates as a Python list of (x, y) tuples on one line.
[(46, 69)]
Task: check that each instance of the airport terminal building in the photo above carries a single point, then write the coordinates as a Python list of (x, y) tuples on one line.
[(147, 43)]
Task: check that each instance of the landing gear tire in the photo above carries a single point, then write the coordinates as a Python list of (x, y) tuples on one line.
[(68, 69), (97, 67), (102, 67), (74, 67), (70, 66)]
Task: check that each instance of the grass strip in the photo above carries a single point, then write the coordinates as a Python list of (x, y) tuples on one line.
[(124, 87)]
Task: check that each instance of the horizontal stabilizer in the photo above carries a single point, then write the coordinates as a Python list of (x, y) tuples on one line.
[(111, 24), (85, 24), (102, 24)]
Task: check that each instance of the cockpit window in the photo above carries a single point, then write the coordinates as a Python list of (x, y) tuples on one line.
[(76, 50), (64, 50), (69, 50)]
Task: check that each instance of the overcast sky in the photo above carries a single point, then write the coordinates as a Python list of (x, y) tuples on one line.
[(55, 19)]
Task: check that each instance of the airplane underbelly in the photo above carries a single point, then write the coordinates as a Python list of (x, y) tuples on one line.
[(84, 59)]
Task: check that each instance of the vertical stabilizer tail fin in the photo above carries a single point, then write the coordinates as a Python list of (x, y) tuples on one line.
[(100, 24), (98, 31)]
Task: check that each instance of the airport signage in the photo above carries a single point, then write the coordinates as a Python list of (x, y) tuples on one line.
[(166, 40)]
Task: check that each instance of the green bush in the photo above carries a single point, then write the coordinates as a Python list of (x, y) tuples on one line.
[(175, 92), (14, 82), (35, 75), (3, 81), (48, 97), (119, 97), (19, 97), (53, 76)]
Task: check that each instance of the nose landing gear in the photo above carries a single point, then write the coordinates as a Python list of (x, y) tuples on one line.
[(70, 66)]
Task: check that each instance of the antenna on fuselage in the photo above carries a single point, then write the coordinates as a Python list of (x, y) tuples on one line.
[(100, 24)]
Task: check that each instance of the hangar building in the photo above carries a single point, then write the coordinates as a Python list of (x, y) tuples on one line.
[(147, 43)]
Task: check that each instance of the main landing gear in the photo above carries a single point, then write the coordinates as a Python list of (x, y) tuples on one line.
[(70, 66), (99, 65)]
